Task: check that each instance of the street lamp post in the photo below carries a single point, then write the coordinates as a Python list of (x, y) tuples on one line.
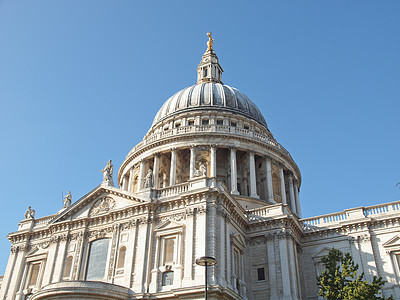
[(206, 261)]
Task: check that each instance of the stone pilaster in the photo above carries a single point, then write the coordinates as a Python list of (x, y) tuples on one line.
[(272, 268), (189, 244)]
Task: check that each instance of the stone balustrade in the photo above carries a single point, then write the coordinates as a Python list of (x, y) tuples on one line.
[(43, 221), (173, 190), (151, 138), (262, 213), (381, 210)]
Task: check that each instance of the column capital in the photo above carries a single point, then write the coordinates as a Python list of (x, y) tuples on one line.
[(280, 165), (232, 148), (193, 147), (172, 149), (213, 146)]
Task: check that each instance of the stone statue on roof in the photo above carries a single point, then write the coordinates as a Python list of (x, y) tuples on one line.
[(108, 174), (67, 200), (210, 42), (30, 213)]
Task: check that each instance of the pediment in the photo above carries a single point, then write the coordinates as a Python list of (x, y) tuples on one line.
[(238, 240), (36, 253), (321, 253), (169, 226), (100, 201), (393, 242)]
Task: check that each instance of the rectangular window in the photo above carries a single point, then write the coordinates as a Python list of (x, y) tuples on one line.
[(191, 123), (169, 247), (67, 268), (96, 269), (220, 122), (236, 258), (204, 122), (233, 124), (260, 274), (34, 275)]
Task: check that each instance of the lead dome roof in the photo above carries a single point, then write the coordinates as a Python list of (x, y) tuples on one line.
[(210, 95)]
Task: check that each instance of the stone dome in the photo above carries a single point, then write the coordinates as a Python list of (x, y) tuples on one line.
[(210, 95)]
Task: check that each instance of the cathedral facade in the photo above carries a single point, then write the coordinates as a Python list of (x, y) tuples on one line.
[(208, 179)]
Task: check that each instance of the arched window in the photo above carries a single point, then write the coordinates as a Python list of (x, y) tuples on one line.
[(97, 262), (121, 257), (168, 278), (67, 268)]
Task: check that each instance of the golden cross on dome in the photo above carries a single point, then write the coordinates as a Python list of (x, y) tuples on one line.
[(210, 42)]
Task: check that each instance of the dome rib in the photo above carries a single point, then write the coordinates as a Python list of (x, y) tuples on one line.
[(209, 95)]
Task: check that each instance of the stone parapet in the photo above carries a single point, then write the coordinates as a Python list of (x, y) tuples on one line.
[(348, 215)]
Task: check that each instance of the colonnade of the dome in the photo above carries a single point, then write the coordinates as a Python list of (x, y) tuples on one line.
[(246, 173)]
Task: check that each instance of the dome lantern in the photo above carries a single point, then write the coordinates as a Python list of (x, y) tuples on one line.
[(209, 69)]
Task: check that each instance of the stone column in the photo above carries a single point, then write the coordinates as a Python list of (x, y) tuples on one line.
[(156, 170), (283, 188), (296, 194), (268, 180), (125, 183), (213, 161), (233, 172), (130, 181), (253, 179), (141, 175), (192, 160), (172, 174), (291, 195)]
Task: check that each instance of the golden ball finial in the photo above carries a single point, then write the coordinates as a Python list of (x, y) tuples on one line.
[(210, 42)]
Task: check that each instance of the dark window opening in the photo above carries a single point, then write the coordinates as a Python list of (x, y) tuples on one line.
[(260, 274)]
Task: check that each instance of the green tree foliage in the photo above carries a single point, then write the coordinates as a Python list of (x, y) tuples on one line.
[(339, 280)]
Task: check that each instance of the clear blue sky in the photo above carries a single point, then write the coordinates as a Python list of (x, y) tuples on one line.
[(80, 83)]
